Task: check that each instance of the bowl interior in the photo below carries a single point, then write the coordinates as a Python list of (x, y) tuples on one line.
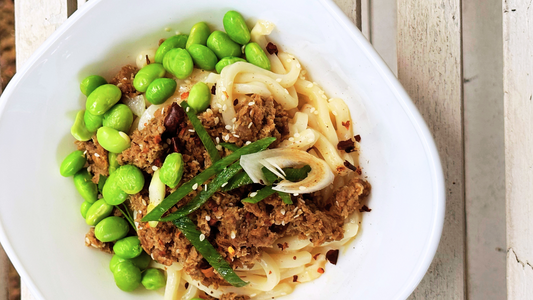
[(40, 224)]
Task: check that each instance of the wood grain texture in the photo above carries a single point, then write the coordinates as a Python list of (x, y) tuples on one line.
[(484, 149), (430, 69), (351, 8), (4, 268), (518, 110), (383, 21)]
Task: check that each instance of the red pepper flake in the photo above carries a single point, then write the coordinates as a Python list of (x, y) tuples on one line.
[(235, 102), (269, 272), (226, 94), (332, 256), (283, 246), (214, 89), (147, 60), (184, 95), (186, 285), (365, 208), (357, 138), (294, 257), (294, 278), (359, 171), (271, 48), (346, 124), (208, 272), (157, 139), (348, 146), (350, 166), (320, 270), (316, 256)]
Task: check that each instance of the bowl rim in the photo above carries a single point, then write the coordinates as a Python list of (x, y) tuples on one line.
[(393, 83)]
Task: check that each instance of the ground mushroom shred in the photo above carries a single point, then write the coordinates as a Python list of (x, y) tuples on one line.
[(239, 231)]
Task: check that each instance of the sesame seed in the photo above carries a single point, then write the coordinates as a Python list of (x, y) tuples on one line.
[(155, 168), (163, 110), (310, 85), (298, 65), (278, 79), (89, 169), (334, 112), (217, 139), (282, 211), (187, 110), (250, 125), (168, 141), (209, 110), (223, 88), (228, 127), (205, 186), (219, 148), (286, 91), (226, 137), (207, 218), (202, 237), (84, 152), (237, 136), (297, 135), (233, 120), (253, 194), (219, 105), (187, 81), (191, 130), (251, 103), (312, 110), (291, 139), (216, 120), (289, 60), (316, 112), (295, 194), (195, 186), (233, 234), (282, 223), (224, 107), (224, 184), (97, 155), (248, 143), (302, 188)]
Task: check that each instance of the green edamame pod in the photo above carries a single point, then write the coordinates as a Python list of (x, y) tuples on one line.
[(127, 276), (179, 63), (127, 179), (113, 140), (236, 28), (92, 122), (78, 130), (160, 90), (128, 247), (199, 97), (113, 162), (203, 57), (97, 212), (84, 208), (172, 170), (111, 229), (102, 99), (198, 35), (255, 55), (118, 117), (146, 75), (153, 279), (72, 163), (177, 41), (226, 61), (90, 83), (222, 45), (85, 186)]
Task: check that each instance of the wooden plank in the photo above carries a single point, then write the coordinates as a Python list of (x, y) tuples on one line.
[(484, 149), (518, 110), (382, 17), (351, 8), (4, 268), (35, 21), (430, 69)]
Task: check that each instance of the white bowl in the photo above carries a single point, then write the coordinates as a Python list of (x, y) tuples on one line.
[(40, 225)]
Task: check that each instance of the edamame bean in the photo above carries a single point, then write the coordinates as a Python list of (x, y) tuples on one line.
[(92, 122), (72, 163), (203, 57), (255, 55), (199, 97), (102, 99), (177, 41), (222, 45), (236, 28), (128, 247), (226, 61), (84, 208), (198, 35), (97, 212), (78, 130), (90, 83), (113, 162), (111, 229), (179, 63), (113, 140), (146, 75), (160, 90), (142, 261), (119, 117), (101, 182), (172, 170), (85, 186), (127, 179), (153, 279), (127, 276)]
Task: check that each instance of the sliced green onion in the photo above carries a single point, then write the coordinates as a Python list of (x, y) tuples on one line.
[(217, 167), (202, 245), (259, 195), (202, 133), (127, 216), (292, 174), (286, 198), (205, 194), (231, 147)]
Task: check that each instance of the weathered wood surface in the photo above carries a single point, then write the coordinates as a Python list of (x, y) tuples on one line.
[(518, 109), (484, 149), (4, 267), (430, 69)]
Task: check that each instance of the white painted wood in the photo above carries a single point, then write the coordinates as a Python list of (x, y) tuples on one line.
[(383, 21), (518, 110), (351, 8), (484, 149), (430, 69)]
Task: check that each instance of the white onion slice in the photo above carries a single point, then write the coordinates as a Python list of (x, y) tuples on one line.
[(318, 178), (148, 115), (136, 104)]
